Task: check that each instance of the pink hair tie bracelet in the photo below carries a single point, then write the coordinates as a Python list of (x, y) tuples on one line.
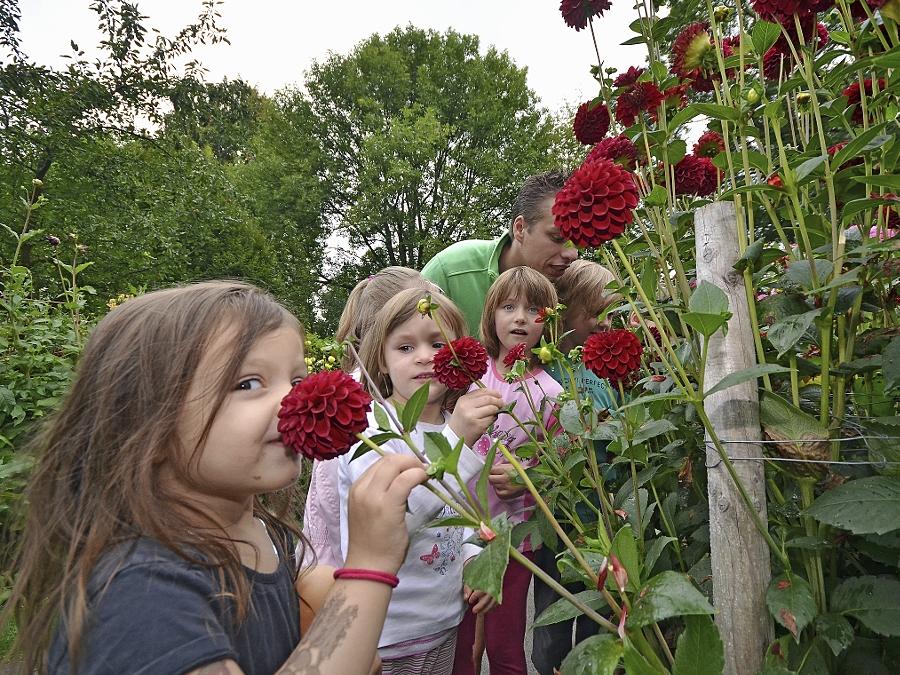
[(367, 575)]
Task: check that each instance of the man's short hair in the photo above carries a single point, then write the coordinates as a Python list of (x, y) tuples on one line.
[(535, 190)]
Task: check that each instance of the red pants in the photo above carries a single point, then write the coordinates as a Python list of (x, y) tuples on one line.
[(504, 628)]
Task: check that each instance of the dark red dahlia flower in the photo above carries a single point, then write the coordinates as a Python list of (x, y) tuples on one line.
[(676, 96), (854, 97), (777, 62), (517, 353), (619, 149), (577, 12), (591, 122), (709, 144), (858, 10), (642, 97), (696, 176), (596, 203), (629, 77), (691, 49), (614, 354), (782, 11), (469, 364), (322, 414)]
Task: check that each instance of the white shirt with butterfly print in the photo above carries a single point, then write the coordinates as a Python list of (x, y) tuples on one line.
[(429, 598)]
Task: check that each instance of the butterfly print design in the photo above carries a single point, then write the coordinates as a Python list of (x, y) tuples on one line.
[(429, 558)]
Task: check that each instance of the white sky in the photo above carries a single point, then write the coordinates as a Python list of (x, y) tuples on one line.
[(274, 42)]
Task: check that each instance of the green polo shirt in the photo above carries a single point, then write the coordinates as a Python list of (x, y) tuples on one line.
[(465, 272)]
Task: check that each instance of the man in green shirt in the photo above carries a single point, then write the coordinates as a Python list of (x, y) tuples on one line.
[(467, 269)]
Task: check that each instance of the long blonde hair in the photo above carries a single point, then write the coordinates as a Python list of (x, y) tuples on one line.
[(367, 297), (397, 311), (517, 282), (97, 483), (582, 287)]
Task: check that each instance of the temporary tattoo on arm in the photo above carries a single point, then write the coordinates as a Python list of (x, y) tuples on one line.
[(325, 636)]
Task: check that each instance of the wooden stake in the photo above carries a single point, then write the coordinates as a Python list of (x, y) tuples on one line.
[(740, 557)]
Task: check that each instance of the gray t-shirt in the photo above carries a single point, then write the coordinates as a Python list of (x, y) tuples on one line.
[(161, 614)]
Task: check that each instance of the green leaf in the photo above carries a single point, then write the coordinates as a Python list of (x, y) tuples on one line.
[(625, 548), (414, 407), (706, 324), (681, 117), (785, 333), (875, 601), (569, 418), (863, 506), (657, 197), (751, 373), (563, 610), (799, 272), (751, 256), (675, 151), (652, 398), (485, 571), (891, 182), (791, 602), (381, 417), (782, 419), (708, 299), (436, 446), (764, 35), (652, 429), (868, 140), (635, 663), (716, 111), (807, 167), (836, 631), (377, 439), (596, 655), (890, 362), (481, 486), (700, 650), (666, 595), (654, 550)]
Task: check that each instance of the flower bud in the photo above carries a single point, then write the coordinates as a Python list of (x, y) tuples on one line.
[(751, 96), (621, 628), (658, 378), (331, 359), (37, 183), (722, 13), (545, 354), (486, 533), (602, 574), (424, 306), (53, 240), (619, 572), (81, 248)]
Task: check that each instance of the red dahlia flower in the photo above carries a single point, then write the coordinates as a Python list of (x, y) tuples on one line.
[(854, 97), (696, 176), (836, 148), (595, 204), (614, 354), (577, 12), (782, 11), (642, 97), (709, 144), (777, 62), (322, 414), (591, 122), (889, 8), (676, 96), (619, 149), (691, 49), (517, 353), (629, 77), (469, 364)]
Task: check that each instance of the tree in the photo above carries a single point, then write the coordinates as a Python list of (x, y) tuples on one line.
[(426, 141)]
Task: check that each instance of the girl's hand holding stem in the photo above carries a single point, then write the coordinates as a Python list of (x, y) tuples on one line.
[(474, 413)]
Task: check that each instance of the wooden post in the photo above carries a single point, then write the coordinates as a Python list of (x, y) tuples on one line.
[(739, 555)]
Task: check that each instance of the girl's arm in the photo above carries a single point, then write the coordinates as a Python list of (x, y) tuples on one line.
[(345, 632)]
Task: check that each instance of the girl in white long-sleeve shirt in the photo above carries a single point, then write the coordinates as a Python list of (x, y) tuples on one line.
[(420, 630)]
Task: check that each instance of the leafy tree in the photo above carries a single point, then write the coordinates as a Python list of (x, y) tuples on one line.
[(426, 141)]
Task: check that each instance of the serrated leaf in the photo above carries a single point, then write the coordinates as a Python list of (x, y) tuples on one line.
[(666, 595), (791, 602), (875, 601), (751, 373), (596, 655), (657, 197), (862, 506), (786, 332), (563, 610), (835, 630), (764, 35), (700, 650), (485, 571)]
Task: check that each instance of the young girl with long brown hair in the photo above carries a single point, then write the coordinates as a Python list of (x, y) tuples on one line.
[(397, 352), (157, 538)]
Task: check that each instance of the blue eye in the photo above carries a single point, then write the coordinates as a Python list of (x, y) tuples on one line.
[(405, 348), (438, 345), (249, 384), (296, 381)]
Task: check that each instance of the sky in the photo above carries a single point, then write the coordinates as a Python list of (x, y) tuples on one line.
[(274, 42)]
